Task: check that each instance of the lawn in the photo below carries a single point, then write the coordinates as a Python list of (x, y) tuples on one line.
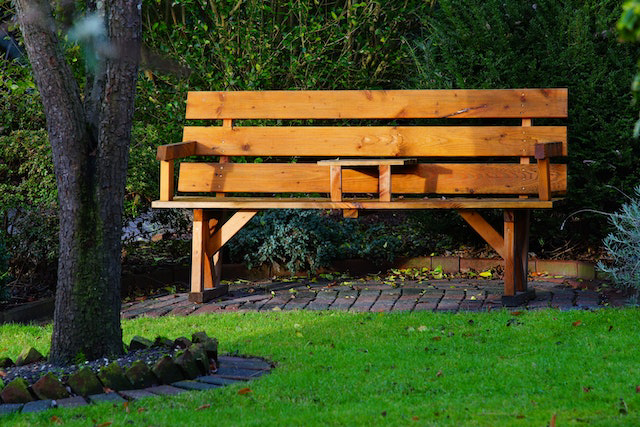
[(337, 368)]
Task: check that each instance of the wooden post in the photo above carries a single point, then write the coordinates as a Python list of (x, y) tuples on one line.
[(516, 251), (205, 272), (336, 182), (544, 179), (525, 160), (166, 180), (384, 183)]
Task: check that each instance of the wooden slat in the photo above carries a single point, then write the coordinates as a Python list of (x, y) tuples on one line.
[(418, 179), (484, 229), (374, 141), (380, 104), (367, 162), (192, 202), (177, 150)]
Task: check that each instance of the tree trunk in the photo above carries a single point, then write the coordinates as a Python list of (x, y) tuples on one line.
[(90, 143)]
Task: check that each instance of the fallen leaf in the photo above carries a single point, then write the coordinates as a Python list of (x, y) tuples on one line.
[(105, 424), (638, 389), (56, 419), (414, 418), (243, 391), (553, 421), (2, 374), (517, 313), (439, 374), (436, 338), (141, 410), (383, 413), (205, 406), (422, 328), (487, 273), (125, 405), (107, 390), (586, 389), (520, 416), (577, 323)]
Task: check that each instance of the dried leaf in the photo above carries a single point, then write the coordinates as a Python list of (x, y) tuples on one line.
[(205, 406), (487, 273), (414, 418), (243, 391), (586, 389), (520, 416), (141, 410), (56, 419), (517, 313), (105, 424), (439, 374), (125, 405), (638, 389), (553, 421), (577, 323), (436, 338), (2, 374)]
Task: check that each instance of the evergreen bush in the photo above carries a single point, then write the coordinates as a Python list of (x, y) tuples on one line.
[(623, 245)]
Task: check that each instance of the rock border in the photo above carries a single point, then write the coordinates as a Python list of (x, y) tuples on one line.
[(195, 367)]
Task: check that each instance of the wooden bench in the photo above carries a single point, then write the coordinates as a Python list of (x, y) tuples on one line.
[(362, 150)]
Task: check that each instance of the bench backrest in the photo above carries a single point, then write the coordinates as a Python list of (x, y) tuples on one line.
[(487, 148)]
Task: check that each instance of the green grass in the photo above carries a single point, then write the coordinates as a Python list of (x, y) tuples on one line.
[(336, 368)]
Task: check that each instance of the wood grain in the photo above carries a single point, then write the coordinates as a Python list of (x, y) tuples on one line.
[(176, 151), (373, 141), (442, 178), (198, 202), (378, 104)]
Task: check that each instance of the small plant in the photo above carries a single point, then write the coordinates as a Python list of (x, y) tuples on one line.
[(623, 244)]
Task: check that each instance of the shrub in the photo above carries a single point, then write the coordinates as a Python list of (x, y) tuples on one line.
[(4, 271), (502, 44), (623, 245), (305, 240)]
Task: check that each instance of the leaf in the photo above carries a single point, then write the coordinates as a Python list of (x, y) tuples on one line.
[(205, 406), (553, 421), (487, 273), (125, 405), (439, 374), (56, 419), (436, 338), (638, 389), (577, 323), (422, 328), (2, 374), (517, 313), (244, 391), (105, 424)]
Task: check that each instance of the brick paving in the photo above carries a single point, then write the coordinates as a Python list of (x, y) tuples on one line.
[(360, 296)]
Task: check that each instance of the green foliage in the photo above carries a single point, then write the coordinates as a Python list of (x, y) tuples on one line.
[(143, 174), (623, 245), (310, 239), (4, 270), (503, 44), (28, 198)]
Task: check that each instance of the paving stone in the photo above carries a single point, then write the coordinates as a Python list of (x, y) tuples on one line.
[(71, 402), (245, 363), (106, 398), (37, 406), (230, 372), (165, 390), (10, 408), (207, 308), (404, 305), (317, 306), (425, 306), (136, 394), (212, 379), (195, 385)]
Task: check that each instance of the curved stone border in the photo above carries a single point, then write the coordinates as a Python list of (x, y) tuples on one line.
[(232, 370)]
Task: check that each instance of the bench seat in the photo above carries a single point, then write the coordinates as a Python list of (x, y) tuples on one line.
[(195, 202)]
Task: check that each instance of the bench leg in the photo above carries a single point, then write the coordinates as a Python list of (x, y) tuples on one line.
[(516, 249), (205, 268)]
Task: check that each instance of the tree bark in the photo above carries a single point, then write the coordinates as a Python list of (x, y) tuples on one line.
[(90, 142)]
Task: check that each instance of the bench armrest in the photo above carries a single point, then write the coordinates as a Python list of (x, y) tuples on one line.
[(543, 152), (176, 151)]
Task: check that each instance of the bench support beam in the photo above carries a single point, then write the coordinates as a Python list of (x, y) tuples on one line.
[(513, 248), (205, 266), (516, 249)]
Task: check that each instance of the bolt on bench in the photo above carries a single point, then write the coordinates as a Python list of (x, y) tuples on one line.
[(479, 158)]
